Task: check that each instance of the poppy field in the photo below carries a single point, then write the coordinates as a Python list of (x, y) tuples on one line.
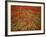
[(25, 18)]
